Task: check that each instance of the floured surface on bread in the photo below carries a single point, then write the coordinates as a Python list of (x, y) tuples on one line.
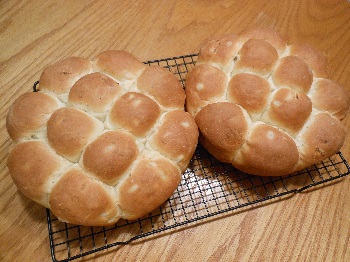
[(264, 106), (101, 140)]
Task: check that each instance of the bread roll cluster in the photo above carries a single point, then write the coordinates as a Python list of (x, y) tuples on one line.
[(109, 138), (264, 106), (101, 140)]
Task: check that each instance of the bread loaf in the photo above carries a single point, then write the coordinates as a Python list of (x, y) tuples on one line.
[(101, 140), (264, 106)]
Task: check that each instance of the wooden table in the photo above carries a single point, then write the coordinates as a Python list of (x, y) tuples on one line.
[(313, 226)]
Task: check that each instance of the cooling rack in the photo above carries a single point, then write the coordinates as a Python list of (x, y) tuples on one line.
[(208, 188)]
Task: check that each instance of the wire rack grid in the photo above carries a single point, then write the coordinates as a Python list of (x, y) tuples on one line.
[(208, 188)]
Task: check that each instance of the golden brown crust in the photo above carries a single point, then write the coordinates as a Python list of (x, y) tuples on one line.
[(59, 77), (119, 64), (28, 115), (206, 83), (159, 83), (293, 72), (78, 199), (249, 91), (288, 110), (69, 130), (269, 35), (134, 112), (176, 137), (153, 179), (219, 50), (313, 58), (31, 164), (258, 56), (331, 97), (321, 139), (94, 93), (109, 156), (267, 152), (223, 127)]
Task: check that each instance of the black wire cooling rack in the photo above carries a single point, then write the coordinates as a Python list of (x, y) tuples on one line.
[(208, 188)]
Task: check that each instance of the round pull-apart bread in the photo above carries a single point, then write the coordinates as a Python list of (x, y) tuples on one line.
[(264, 106), (101, 140)]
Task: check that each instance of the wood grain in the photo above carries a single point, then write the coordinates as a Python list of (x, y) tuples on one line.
[(312, 226)]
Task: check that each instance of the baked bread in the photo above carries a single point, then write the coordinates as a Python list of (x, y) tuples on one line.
[(264, 106), (101, 140)]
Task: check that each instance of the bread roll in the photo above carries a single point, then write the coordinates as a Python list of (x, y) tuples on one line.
[(101, 140), (264, 106)]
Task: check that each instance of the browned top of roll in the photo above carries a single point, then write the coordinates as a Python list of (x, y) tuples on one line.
[(176, 137), (323, 137), (205, 83), (269, 35), (109, 156), (69, 130), (28, 114), (59, 77), (313, 58), (159, 83), (219, 50), (135, 112), (250, 91), (224, 129), (331, 97), (153, 180), (31, 164), (257, 55), (119, 64), (293, 72), (289, 110), (267, 143), (94, 93), (78, 199)]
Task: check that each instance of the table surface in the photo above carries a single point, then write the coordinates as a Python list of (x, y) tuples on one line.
[(313, 226)]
